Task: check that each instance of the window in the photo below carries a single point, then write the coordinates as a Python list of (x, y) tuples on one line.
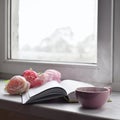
[(99, 70)]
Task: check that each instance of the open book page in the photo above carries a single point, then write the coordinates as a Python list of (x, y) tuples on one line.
[(37, 90), (46, 88), (71, 85)]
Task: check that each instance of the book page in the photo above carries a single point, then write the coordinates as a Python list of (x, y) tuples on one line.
[(37, 90), (71, 85)]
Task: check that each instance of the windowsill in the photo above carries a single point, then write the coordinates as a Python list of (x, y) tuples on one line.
[(62, 111)]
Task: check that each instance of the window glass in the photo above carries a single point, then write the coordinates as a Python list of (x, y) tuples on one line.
[(54, 30)]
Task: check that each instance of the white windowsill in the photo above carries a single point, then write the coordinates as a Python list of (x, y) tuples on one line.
[(62, 111)]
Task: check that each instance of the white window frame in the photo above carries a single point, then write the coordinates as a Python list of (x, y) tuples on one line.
[(103, 72), (116, 47)]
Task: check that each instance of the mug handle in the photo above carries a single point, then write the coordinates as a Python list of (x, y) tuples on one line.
[(109, 88)]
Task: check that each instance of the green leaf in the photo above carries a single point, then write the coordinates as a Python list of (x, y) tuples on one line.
[(109, 100), (6, 81)]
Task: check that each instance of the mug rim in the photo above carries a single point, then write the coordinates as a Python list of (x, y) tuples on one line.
[(92, 89)]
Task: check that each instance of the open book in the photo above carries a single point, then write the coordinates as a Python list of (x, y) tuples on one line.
[(53, 90)]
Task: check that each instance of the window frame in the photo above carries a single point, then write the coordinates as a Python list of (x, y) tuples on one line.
[(116, 48), (102, 72)]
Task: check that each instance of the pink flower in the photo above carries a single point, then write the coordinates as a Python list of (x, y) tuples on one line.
[(30, 75), (53, 75), (17, 85), (37, 82), (44, 77)]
